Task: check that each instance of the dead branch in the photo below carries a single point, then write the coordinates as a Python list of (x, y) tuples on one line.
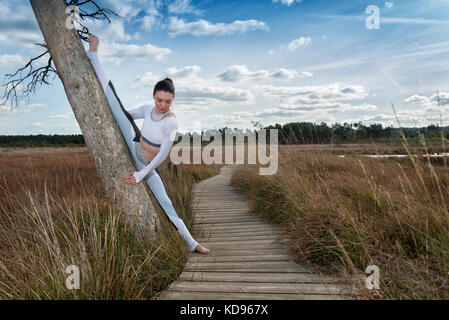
[(26, 80)]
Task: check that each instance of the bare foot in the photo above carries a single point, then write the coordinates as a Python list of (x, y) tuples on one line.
[(199, 248), (93, 42)]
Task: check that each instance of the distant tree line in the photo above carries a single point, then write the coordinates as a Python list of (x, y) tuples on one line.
[(311, 133), (42, 140), (290, 133)]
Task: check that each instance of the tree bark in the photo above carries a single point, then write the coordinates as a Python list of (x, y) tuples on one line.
[(100, 130)]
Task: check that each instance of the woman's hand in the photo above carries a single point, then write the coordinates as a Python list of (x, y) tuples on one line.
[(93, 42), (130, 179)]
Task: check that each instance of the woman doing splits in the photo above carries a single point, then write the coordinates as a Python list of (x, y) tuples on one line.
[(150, 147)]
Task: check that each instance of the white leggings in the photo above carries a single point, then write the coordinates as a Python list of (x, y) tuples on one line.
[(153, 179)]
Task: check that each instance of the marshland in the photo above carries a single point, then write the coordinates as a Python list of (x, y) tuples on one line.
[(344, 213)]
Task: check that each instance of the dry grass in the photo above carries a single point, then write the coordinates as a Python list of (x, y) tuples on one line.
[(348, 213), (54, 212)]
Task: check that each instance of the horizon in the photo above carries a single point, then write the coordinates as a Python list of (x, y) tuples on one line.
[(305, 61)]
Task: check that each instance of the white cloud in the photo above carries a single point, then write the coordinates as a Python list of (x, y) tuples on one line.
[(442, 96), (202, 27), (6, 108), (292, 111), (241, 72), (417, 98), (311, 94), (288, 3), (182, 7), (284, 74), (428, 107), (195, 92), (298, 43), (388, 4), (154, 15), (8, 59), (187, 71), (422, 110), (116, 52), (62, 116), (147, 79), (149, 21), (307, 74), (212, 95), (110, 32), (300, 103), (387, 19), (18, 26)]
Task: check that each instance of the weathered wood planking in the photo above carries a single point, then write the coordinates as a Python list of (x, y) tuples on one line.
[(249, 258)]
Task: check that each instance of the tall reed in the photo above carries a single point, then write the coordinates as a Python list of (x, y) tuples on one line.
[(54, 213), (348, 213)]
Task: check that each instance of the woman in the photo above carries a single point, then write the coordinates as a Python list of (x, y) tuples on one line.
[(151, 146)]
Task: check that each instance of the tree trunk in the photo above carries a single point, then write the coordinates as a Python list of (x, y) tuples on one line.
[(100, 130)]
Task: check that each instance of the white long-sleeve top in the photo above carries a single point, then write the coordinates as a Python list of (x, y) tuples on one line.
[(156, 128), (161, 132)]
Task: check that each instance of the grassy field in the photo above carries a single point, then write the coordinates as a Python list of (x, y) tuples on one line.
[(348, 213), (343, 213), (54, 212)]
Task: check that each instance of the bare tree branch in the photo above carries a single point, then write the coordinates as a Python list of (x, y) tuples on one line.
[(26, 80)]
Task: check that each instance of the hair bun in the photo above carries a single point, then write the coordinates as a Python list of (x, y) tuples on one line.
[(165, 85)]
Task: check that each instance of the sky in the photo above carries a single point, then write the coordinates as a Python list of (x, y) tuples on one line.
[(237, 62)]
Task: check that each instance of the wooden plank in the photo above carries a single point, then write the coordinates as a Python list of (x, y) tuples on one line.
[(222, 229), (244, 237), (239, 258), (262, 266), (222, 211), (236, 233), (211, 213), (222, 197), (244, 242), (258, 277), (249, 258), (175, 295), (242, 224), (225, 230), (247, 264), (215, 205), (237, 247), (205, 233), (224, 219), (243, 252), (259, 287), (210, 209), (222, 216), (285, 269)]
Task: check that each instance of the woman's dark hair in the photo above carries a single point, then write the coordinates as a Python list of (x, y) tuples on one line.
[(165, 85)]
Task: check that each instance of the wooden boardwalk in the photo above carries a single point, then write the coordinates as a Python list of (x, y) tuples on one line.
[(249, 259)]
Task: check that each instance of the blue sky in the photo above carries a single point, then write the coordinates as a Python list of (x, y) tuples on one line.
[(234, 62)]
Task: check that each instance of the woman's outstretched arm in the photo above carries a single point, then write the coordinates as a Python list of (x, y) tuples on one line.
[(92, 54)]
